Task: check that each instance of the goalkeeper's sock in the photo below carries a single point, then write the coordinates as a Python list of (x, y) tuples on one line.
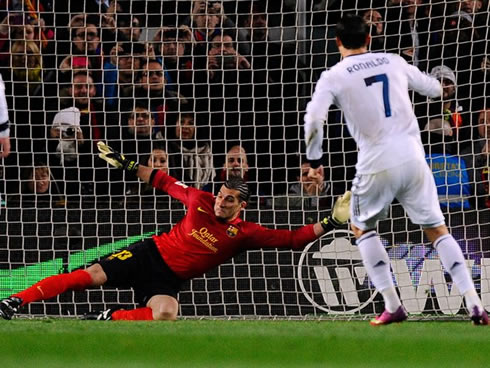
[(139, 314), (453, 261), (55, 285), (377, 264)]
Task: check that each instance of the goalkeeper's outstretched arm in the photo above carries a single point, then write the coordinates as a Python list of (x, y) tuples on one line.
[(144, 173), (118, 160)]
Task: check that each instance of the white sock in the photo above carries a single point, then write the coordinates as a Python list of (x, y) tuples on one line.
[(377, 264), (392, 301), (453, 261), (472, 299)]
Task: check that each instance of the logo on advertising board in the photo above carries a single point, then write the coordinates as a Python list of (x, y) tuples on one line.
[(333, 279)]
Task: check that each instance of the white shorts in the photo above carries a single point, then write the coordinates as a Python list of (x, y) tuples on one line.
[(411, 183)]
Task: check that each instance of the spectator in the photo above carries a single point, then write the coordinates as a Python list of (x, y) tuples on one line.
[(37, 188), (275, 108), (174, 45), (223, 87), (191, 160), (480, 83), (68, 137), (463, 39), (26, 67), (152, 86), (448, 109), (205, 22), (121, 71), (451, 174), (138, 130), (222, 55), (157, 159), (482, 159), (128, 27), (374, 20), (140, 123), (237, 165), (66, 128), (313, 192), (86, 40), (407, 30), (26, 77), (93, 124), (22, 26)]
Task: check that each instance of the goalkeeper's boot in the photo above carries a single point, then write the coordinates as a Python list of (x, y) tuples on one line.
[(105, 315), (386, 317), (479, 317), (9, 306)]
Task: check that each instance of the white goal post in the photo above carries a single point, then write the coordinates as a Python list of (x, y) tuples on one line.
[(95, 73)]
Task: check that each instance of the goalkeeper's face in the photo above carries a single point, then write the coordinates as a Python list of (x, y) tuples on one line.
[(227, 205)]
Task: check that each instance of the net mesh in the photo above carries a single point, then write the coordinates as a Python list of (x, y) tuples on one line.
[(182, 85)]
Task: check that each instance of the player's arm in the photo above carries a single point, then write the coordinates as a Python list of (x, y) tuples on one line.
[(316, 113), (421, 82), (298, 239), (4, 122), (157, 178)]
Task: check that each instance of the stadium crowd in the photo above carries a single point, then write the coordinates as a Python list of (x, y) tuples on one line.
[(209, 89)]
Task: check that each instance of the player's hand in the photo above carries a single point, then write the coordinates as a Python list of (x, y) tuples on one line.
[(341, 208), (4, 147), (340, 213), (116, 159)]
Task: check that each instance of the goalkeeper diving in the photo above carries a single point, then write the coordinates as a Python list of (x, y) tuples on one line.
[(209, 234)]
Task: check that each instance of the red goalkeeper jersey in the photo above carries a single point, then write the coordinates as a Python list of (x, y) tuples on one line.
[(201, 241)]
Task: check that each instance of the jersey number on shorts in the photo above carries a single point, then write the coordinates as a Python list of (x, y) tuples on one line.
[(386, 95), (122, 255)]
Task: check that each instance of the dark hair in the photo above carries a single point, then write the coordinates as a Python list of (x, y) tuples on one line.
[(237, 183), (130, 48), (352, 31), (178, 34), (148, 61), (158, 145)]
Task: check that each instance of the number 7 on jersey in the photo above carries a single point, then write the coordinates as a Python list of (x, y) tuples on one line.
[(383, 78)]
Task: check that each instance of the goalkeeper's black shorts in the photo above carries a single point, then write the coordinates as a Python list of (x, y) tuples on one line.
[(141, 267)]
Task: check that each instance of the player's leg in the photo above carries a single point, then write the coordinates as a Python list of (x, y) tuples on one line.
[(454, 263), (159, 308), (156, 286), (421, 202), (371, 198), (50, 287)]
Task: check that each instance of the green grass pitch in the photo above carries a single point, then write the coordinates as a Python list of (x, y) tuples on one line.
[(231, 343)]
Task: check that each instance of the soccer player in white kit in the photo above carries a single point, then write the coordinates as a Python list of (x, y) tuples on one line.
[(4, 126), (4, 122), (372, 91)]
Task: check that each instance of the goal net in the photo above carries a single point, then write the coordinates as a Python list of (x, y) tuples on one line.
[(206, 89)]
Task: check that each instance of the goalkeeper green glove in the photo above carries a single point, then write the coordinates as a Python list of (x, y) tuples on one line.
[(116, 159), (340, 213)]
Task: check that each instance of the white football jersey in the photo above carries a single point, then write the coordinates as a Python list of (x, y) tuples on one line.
[(372, 91)]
